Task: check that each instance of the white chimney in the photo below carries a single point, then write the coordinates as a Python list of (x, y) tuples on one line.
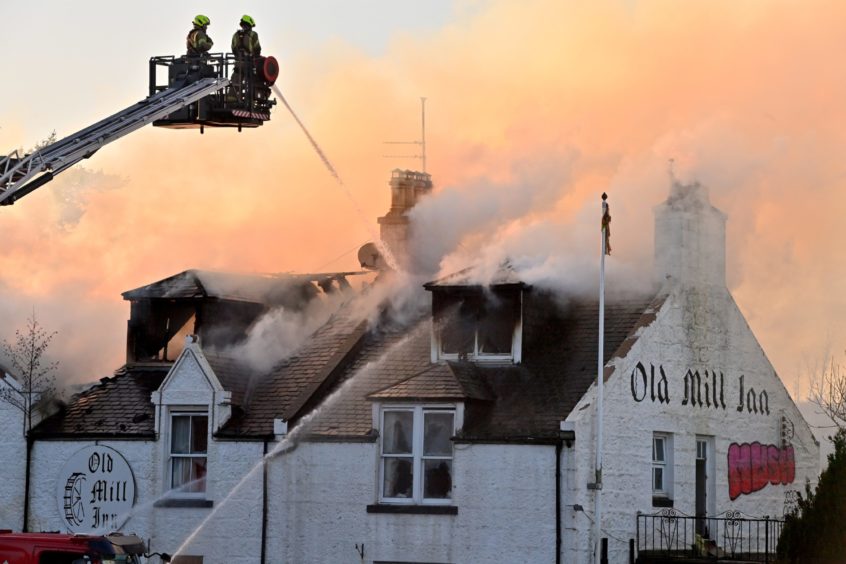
[(690, 238)]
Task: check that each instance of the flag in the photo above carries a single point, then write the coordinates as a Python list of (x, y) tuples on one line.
[(606, 224)]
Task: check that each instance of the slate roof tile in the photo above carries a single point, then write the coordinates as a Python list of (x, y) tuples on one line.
[(117, 406)]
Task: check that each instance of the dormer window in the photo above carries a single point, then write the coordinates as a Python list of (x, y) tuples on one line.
[(477, 324)]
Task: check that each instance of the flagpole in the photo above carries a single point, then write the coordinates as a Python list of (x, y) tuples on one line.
[(600, 384)]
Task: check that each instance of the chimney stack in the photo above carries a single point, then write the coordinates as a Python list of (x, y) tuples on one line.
[(407, 187), (690, 238)]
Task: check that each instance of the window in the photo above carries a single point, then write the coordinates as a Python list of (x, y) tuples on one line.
[(661, 465), (477, 326), (417, 454), (188, 451)]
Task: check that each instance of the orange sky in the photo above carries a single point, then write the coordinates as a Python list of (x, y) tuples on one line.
[(556, 101)]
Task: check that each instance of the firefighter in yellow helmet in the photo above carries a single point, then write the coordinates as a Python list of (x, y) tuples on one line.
[(245, 41), (198, 41), (245, 46)]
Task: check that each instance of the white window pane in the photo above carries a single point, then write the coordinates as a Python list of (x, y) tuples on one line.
[(180, 434), (437, 479), (198, 475), (180, 472), (437, 428), (658, 479), (398, 477), (397, 436), (658, 449)]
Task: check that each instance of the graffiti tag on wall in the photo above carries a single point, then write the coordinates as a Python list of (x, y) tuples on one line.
[(753, 466), (701, 390)]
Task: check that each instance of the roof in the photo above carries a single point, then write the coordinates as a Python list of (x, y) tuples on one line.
[(444, 382), (116, 407), (234, 375), (505, 402), (327, 387), (291, 385), (503, 275), (255, 288)]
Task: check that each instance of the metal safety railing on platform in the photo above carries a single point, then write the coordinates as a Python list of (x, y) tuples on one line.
[(731, 535)]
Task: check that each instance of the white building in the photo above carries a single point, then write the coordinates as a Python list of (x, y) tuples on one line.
[(466, 435)]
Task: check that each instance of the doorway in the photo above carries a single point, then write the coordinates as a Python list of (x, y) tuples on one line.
[(705, 501)]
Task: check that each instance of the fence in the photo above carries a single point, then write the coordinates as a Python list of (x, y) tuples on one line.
[(731, 535)]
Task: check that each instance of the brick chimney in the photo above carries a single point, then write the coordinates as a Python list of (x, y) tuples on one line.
[(407, 187), (690, 238)]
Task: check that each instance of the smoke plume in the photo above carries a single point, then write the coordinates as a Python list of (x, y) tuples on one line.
[(534, 109)]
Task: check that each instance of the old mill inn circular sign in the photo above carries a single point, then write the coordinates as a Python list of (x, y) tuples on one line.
[(95, 490)]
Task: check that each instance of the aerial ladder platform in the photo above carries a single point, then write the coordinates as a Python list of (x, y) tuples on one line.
[(198, 94)]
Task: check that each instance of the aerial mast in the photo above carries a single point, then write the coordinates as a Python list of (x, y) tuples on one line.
[(421, 142)]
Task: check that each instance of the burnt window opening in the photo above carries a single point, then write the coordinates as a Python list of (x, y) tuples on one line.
[(478, 325)]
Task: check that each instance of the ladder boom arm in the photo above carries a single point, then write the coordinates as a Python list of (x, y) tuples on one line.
[(22, 174)]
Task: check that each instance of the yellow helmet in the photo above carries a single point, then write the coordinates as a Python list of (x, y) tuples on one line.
[(201, 20), (245, 19)]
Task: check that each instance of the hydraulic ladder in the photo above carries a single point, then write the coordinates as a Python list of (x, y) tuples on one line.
[(21, 174)]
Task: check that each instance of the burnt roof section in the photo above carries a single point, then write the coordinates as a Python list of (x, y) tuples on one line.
[(254, 288), (118, 407), (502, 403), (292, 385), (477, 276), (235, 376)]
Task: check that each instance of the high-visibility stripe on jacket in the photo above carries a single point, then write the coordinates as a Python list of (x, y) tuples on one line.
[(246, 43), (198, 42)]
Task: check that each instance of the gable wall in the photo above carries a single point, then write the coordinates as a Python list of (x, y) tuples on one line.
[(697, 331)]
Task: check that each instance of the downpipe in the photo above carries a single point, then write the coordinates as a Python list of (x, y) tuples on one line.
[(559, 447), (264, 506), (29, 444)]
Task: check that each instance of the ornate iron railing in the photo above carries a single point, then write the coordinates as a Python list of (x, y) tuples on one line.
[(731, 535)]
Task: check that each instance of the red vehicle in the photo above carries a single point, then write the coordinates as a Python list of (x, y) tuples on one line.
[(60, 548)]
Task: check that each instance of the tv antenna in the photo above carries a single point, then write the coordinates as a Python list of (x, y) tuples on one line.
[(421, 143)]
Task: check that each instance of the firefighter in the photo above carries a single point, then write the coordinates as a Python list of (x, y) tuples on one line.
[(245, 41), (245, 46), (198, 42)]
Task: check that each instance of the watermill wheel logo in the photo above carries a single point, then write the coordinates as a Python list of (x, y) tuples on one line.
[(74, 506), (95, 490)]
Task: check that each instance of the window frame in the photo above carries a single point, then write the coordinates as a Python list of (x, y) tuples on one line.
[(665, 465), (417, 455), (177, 491), (514, 355)]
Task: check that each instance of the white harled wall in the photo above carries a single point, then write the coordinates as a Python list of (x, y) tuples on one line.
[(12, 465), (694, 330), (505, 495), (232, 535)]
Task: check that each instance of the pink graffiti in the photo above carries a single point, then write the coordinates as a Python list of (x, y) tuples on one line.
[(753, 466)]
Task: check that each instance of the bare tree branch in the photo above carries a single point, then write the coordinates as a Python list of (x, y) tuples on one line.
[(33, 371), (828, 391)]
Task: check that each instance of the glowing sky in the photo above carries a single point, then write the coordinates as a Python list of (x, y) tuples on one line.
[(558, 101)]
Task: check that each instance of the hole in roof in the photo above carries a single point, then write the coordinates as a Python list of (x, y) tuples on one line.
[(139, 417)]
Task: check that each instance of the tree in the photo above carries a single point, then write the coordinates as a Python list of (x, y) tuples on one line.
[(34, 373), (814, 531), (828, 391)]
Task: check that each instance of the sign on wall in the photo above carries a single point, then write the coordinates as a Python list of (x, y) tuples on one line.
[(95, 490), (707, 390)]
